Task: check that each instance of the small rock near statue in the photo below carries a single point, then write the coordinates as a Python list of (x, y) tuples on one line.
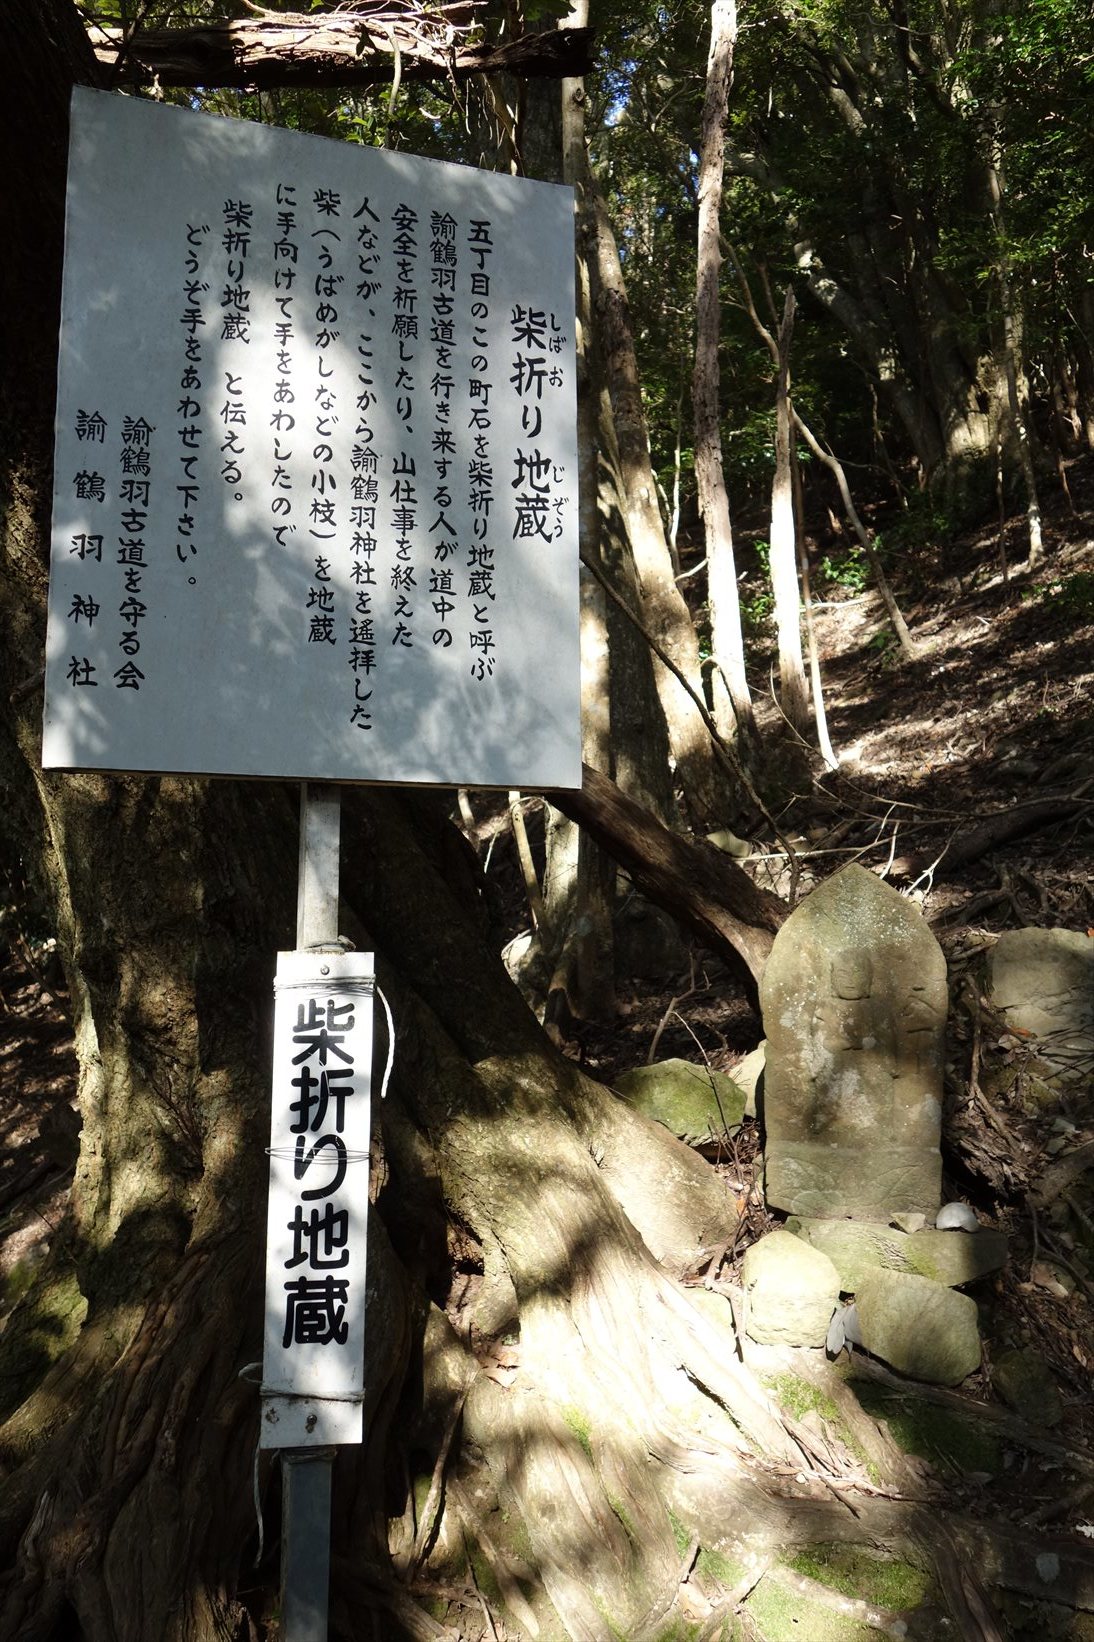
[(791, 1289), (918, 1327), (855, 1246), (1025, 1383)]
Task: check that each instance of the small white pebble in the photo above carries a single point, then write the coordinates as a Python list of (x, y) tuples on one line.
[(956, 1217)]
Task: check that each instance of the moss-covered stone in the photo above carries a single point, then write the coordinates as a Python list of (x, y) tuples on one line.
[(1026, 1383), (856, 1247), (696, 1103), (920, 1327)]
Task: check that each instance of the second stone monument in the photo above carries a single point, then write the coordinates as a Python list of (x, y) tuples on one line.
[(854, 1006)]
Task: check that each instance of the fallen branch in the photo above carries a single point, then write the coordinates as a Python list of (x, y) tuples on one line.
[(344, 48), (1001, 828), (1060, 1176), (699, 885)]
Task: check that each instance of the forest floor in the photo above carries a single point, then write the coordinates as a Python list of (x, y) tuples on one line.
[(992, 719)]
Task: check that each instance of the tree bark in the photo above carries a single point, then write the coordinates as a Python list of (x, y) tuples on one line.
[(732, 699), (1000, 828), (1013, 362), (836, 468), (816, 684), (664, 611)]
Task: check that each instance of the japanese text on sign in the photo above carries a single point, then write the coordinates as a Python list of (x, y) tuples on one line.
[(313, 1361), (315, 505)]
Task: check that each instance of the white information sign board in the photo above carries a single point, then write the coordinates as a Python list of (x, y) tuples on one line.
[(315, 507), (313, 1354)]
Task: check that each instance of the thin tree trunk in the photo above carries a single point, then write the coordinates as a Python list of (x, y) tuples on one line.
[(664, 611), (783, 554), (835, 467), (1013, 364), (900, 627), (1085, 363), (824, 741), (699, 885), (641, 757), (732, 700)]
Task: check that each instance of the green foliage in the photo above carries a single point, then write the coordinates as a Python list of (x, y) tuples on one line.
[(783, 1615), (848, 572), (884, 644), (918, 536), (680, 1535), (1072, 594), (724, 1569), (45, 1322), (757, 600), (799, 1398)]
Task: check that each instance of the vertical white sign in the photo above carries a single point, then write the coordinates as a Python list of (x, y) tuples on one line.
[(313, 1357), (315, 501)]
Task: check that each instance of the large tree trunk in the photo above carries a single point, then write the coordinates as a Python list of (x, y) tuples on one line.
[(663, 608), (576, 940), (128, 1438)]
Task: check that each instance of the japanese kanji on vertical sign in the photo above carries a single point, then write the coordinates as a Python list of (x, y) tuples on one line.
[(315, 504), (313, 1358)]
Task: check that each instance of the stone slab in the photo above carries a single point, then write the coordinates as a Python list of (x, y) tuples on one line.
[(1042, 981), (950, 1257)]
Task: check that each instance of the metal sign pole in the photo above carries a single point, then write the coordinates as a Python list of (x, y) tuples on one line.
[(306, 1472)]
